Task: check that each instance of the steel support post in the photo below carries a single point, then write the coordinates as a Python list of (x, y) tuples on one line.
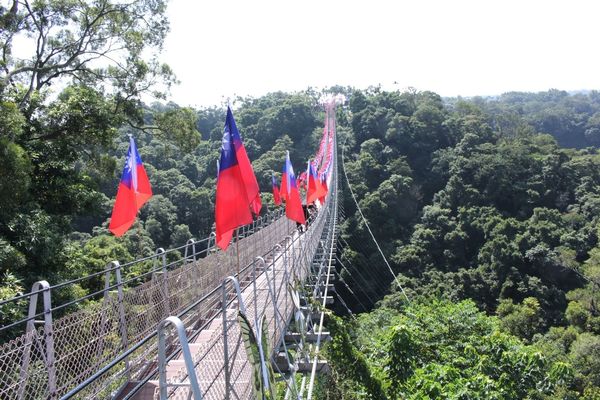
[(242, 308), (116, 267), (164, 283), (30, 332), (187, 357)]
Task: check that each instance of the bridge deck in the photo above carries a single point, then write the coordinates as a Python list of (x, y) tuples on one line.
[(271, 297)]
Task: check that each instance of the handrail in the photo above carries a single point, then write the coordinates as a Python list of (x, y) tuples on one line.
[(187, 356), (274, 214)]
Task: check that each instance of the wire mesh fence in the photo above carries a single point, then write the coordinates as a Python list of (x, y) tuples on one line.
[(54, 356), (220, 360)]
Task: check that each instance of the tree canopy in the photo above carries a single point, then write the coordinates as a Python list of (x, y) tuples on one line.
[(492, 200)]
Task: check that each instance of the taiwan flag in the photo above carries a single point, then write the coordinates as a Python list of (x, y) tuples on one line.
[(293, 205), (283, 187), (276, 196), (252, 189), (324, 185), (301, 180), (314, 187), (237, 190), (134, 190)]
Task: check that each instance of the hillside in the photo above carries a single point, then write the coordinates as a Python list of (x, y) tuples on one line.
[(480, 212), (466, 207)]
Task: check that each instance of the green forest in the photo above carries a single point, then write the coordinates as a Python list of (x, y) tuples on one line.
[(487, 208)]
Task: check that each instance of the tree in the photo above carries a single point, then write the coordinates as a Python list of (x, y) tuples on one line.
[(10, 287), (180, 235), (443, 350), (585, 355), (522, 320), (160, 219), (14, 176), (271, 161), (97, 42), (93, 257), (265, 120), (349, 366), (62, 107)]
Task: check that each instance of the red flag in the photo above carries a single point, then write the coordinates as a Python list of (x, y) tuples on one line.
[(325, 189), (276, 196), (293, 205), (134, 190), (283, 187), (233, 202), (320, 153), (301, 180), (315, 189), (252, 189)]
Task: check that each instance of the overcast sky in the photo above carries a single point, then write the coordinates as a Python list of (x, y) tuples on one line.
[(221, 49)]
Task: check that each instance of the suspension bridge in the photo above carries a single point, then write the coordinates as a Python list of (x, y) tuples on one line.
[(169, 325)]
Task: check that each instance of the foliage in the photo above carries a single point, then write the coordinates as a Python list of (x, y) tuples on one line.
[(351, 376), (522, 320), (58, 172), (257, 347), (585, 356), (490, 208), (438, 349), (10, 287)]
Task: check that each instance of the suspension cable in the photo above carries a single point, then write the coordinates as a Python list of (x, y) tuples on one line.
[(350, 291), (367, 225), (376, 282), (337, 295), (373, 285), (355, 281)]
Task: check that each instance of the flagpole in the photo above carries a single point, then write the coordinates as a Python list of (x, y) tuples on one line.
[(139, 228), (237, 252), (139, 234)]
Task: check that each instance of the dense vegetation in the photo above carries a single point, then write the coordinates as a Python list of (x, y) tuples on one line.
[(468, 207), (487, 208), (60, 111), (440, 350)]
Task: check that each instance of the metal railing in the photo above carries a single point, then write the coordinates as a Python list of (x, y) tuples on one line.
[(220, 363), (115, 322)]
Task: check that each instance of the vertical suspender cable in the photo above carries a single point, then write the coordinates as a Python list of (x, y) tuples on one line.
[(368, 228)]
